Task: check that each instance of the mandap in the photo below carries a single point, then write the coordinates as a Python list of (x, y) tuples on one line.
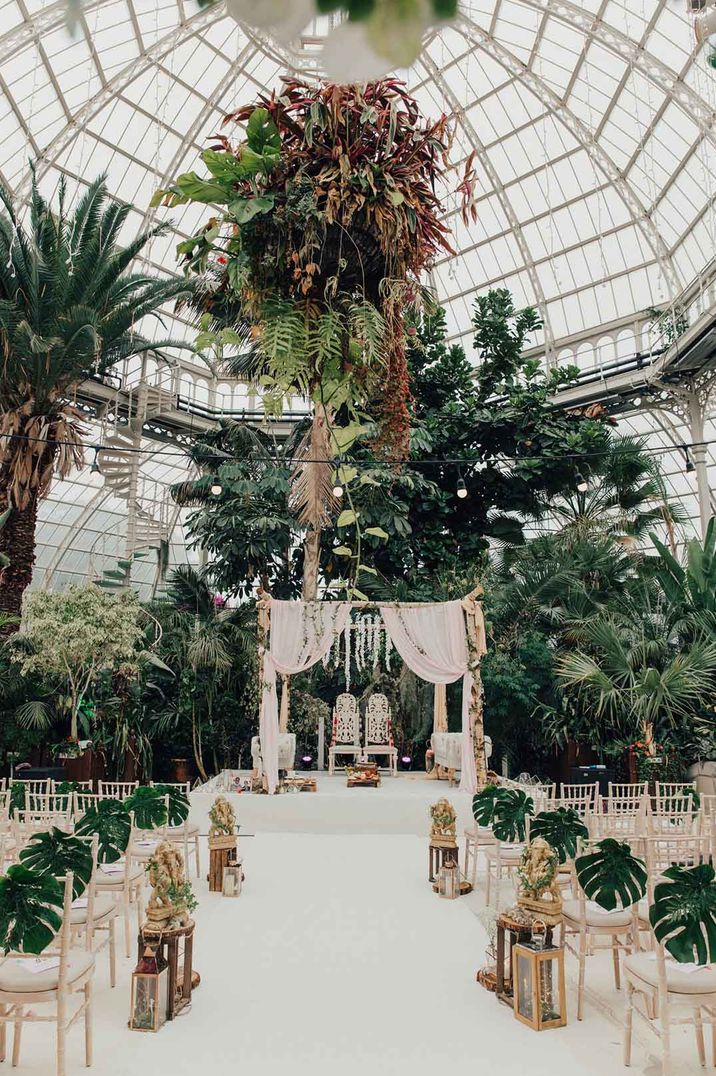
[(440, 641)]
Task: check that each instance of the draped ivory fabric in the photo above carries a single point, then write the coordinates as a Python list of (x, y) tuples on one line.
[(300, 634), (432, 641)]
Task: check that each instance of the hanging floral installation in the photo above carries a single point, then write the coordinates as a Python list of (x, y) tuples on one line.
[(365, 641), (328, 219)]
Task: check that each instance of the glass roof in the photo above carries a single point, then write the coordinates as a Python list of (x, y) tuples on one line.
[(592, 121)]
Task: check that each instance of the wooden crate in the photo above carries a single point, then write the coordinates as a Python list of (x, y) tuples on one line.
[(221, 851)]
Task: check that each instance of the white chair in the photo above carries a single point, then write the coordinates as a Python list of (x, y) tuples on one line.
[(92, 914), (589, 920), (286, 752), (188, 832), (39, 784), (666, 985), (346, 730), (124, 882), (584, 799), (117, 790), (447, 752), (503, 857), (379, 731), (69, 972)]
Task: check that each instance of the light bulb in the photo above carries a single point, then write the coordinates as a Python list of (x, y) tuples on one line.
[(338, 490), (461, 488), (582, 484), (216, 487), (637, 401), (94, 469)]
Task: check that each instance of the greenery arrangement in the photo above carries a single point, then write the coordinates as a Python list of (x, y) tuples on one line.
[(683, 915), (562, 829), (68, 310), (178, 803), (110, 820), (149, 807), (611, 876), (30, 906), (58, 853)]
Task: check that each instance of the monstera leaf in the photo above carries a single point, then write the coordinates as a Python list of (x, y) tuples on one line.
[(59, 853), (611, 876), (562, 829), (510, 819), (110, 820), (28, 919), (484, 804), (149, 807), (178, 803), (683, 914)]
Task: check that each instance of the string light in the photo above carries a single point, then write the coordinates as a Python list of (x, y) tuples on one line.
[(582, 484), (216, 486), (461, 489), (95, 468), (690, 465), (338, 490)]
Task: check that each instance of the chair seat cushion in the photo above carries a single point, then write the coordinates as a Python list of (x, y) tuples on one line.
[(509, 853), (16, 979), (596, 916), (680, 978), (116, 878), (480, 833), (103, 906)]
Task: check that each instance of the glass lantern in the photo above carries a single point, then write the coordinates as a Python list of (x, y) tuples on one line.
[(232, 879), (150, 992), (539, 990), (449, 880)]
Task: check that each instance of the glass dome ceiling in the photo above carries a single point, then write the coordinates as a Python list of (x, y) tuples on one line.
[(593, 123)]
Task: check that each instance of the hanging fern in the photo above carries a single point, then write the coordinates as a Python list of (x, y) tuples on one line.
[(367, 326)]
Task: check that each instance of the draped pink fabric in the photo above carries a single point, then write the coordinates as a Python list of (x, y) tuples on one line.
[(432, 641), (300, 634)]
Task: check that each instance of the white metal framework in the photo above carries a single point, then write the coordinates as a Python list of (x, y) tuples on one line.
[(593, 122)]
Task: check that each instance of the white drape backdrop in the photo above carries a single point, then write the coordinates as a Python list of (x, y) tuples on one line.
[(300, 634), (432, 641)]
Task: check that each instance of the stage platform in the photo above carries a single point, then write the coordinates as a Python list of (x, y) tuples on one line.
[(400, 806)]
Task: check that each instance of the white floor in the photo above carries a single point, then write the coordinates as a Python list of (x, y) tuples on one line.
[(339, 959)]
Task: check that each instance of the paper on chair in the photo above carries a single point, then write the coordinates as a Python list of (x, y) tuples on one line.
[(112, 868), (38, 964), (80, 902)]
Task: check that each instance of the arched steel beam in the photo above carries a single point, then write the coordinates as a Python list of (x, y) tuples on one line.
[(65, 545), (503, 198), (579, 130)]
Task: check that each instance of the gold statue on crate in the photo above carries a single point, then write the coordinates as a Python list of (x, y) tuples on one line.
[(443, 828), (538, 890), (172, 898), (222, 818)]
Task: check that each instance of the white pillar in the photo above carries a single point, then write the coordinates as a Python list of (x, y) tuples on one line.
[(699, 454)]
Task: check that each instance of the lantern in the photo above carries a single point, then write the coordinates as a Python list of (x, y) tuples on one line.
[(449, 880), (150, 991), (538, 982), (233, 877)]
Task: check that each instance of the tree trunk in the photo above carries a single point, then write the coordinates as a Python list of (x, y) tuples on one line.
[(17, 541), (311, 560)]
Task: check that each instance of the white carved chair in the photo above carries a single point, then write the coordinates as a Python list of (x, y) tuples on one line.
[(346, 730), (286, 752), (379, 731)]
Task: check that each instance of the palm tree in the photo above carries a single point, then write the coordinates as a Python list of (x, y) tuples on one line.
[(68, 307)]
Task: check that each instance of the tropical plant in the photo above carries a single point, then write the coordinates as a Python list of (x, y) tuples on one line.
[(110, 820), (683, 915), (69, 310), (58, 853), (17, 797), (511, 813), (178, 803), (149, 807), (76, 633), (485, 804), (204, 640), (689, 588), (29, 918), (611, 876), (331, 218), (562, 828)]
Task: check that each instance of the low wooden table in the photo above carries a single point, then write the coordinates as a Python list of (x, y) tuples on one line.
[(179, 993), (438, 855)]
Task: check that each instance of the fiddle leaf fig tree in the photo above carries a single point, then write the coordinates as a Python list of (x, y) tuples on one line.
[(76, 634)]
